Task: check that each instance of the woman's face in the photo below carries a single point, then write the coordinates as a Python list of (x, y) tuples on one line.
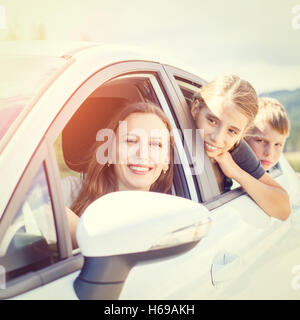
[(222, 123), (142, 151)]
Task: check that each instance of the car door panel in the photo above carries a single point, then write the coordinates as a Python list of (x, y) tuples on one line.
[(60, 289), (188, 276)]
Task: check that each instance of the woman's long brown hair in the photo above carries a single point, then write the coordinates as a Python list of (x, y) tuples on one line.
[(100, 178)]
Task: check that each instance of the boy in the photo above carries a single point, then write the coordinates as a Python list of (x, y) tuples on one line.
[(269, 132)]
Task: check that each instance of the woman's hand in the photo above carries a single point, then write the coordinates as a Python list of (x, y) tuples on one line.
[(228, 165)]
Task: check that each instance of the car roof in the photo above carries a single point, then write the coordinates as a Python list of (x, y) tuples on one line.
[(72, 48), (78, 49)]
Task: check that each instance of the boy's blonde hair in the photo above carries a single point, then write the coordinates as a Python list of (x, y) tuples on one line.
[(272, 112)]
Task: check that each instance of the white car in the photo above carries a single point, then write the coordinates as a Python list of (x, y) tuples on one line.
[(51, 97)]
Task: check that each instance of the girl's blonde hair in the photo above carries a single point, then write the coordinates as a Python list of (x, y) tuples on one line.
[(233, 89), (272, 112)]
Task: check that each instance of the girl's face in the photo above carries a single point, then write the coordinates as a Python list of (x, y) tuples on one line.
[(222, 123), (267, 145), (142, 152)]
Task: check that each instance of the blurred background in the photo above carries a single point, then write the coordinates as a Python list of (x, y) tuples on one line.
[(258, 40)]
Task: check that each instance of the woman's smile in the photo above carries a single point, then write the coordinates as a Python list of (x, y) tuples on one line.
[(139, 169)]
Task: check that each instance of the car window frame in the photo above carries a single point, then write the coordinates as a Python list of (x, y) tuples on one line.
[(163, 90)]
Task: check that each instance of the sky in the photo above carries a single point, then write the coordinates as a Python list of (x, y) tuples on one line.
[(259, 40)]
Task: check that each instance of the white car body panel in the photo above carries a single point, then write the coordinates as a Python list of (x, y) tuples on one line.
[(188, 276), (61, 289)]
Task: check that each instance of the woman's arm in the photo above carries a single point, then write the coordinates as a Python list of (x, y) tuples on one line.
[(72, 220), (265, 191)]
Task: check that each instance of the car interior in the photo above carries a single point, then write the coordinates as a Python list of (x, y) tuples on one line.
[(94, 114)]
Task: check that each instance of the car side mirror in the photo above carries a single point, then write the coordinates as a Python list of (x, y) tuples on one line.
[(122, 228)]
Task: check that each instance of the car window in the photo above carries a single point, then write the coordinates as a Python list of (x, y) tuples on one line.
[(188, 89), (30, 241), (78, 135)]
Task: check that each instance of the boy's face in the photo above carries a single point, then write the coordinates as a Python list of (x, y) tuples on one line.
[(267, 145)]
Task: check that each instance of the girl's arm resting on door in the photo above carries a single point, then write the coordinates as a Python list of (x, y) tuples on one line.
[(265, 191)]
